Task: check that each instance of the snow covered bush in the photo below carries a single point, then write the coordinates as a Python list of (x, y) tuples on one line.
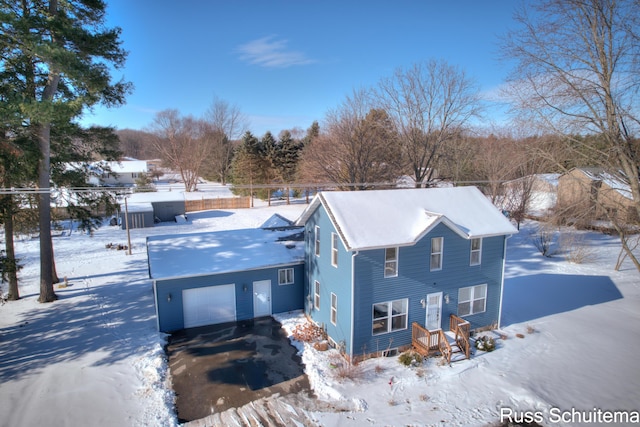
[(485, 343), (410, 358)]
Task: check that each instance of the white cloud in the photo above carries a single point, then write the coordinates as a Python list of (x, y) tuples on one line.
[(271, 53)]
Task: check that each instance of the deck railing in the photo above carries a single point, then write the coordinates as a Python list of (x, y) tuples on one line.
[(427, 342), (461, 328), (424, 340)]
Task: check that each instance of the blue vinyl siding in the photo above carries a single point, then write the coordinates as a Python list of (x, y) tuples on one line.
[(283, 297), (332, 279), (415, 281)]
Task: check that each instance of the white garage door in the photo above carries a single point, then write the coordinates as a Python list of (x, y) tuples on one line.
[(210, 305)]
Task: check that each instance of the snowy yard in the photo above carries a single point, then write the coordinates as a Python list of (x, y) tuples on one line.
[(94, 356)]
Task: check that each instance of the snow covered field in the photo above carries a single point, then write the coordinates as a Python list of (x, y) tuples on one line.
[(94, 356)]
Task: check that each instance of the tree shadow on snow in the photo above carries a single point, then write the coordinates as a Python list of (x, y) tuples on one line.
[(527, 298), (111, 320)]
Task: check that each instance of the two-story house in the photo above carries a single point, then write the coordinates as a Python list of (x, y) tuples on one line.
[(377, 261)]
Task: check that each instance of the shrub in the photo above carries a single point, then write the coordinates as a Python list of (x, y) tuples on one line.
[(308, 332), (342, 369), (575, 249), (485, 343), (542, 239), (410, 358)]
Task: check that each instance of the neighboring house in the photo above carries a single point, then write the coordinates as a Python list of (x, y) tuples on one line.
[(377, 261), (123, 173), (207, 278), (594, 194)]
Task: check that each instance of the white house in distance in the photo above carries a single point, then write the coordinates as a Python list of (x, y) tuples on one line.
[(123, 173)]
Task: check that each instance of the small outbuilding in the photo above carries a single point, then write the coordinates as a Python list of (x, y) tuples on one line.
[(208, 278)]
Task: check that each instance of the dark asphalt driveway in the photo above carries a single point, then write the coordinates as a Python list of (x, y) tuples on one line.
[(214, 368)]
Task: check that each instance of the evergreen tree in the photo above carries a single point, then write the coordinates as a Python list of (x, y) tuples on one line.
[(249, 165), (57, 56), (284, 158)]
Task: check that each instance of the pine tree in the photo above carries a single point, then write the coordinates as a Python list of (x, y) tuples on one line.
[(57, 56)]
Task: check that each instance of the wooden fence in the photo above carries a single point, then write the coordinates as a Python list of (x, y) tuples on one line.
[(217, 203)]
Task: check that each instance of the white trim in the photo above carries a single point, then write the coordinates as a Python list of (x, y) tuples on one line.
[(504, 261), (396, 260), (473, 299), (441, 253), (472, 251), (334, 249), (426, 319), (332, 309), (316, 295)]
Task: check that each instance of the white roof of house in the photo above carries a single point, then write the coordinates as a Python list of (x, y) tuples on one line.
[(197, 254), (609, 179), (384, 218), (128, 166)]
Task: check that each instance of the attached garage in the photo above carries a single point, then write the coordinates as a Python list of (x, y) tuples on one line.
[(208, 278), (208, 306)]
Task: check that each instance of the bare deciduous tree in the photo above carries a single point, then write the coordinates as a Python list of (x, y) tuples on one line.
[(227, 124), (578, 69), (357, 147), (183, 143), (429, 102)]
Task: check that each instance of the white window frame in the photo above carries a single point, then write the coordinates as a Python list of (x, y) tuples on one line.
[(477, 252), (334, 309), (317, 240), (334, 249), (391, 264), (287, 274), (438, 254), (316, 295), (475, 296), (391, 316)]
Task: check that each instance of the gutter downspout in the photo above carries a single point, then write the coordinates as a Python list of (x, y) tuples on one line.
[(504, 262), (353, 299)]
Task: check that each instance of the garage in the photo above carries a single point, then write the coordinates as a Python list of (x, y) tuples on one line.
[(209, 278), (209, 305)]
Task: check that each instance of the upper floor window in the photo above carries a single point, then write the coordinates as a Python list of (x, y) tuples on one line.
[(436, 253), (334, 249), (285, 276), (390, 316), (317, 240), (476, 251), (472, 300), (390, 262)]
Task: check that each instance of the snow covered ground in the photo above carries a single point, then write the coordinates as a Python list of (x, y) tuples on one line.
[(94, 356)]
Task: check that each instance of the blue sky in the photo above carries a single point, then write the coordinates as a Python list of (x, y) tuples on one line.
[(286, 63)]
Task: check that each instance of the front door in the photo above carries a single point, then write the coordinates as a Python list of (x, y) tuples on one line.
[(434, 311), (262, 298)]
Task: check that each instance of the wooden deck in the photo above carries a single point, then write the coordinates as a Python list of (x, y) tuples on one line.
[(457, 341)]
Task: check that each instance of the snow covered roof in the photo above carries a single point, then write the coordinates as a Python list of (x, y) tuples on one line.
[(276, 221), (138, 207), (128, 166), (383, 218), (614, 182), (197, 254)]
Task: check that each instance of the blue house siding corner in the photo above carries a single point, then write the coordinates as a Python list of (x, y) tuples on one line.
[(332, 279)]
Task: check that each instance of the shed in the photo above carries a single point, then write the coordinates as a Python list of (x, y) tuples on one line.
[(140, 216), (208, 278)]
